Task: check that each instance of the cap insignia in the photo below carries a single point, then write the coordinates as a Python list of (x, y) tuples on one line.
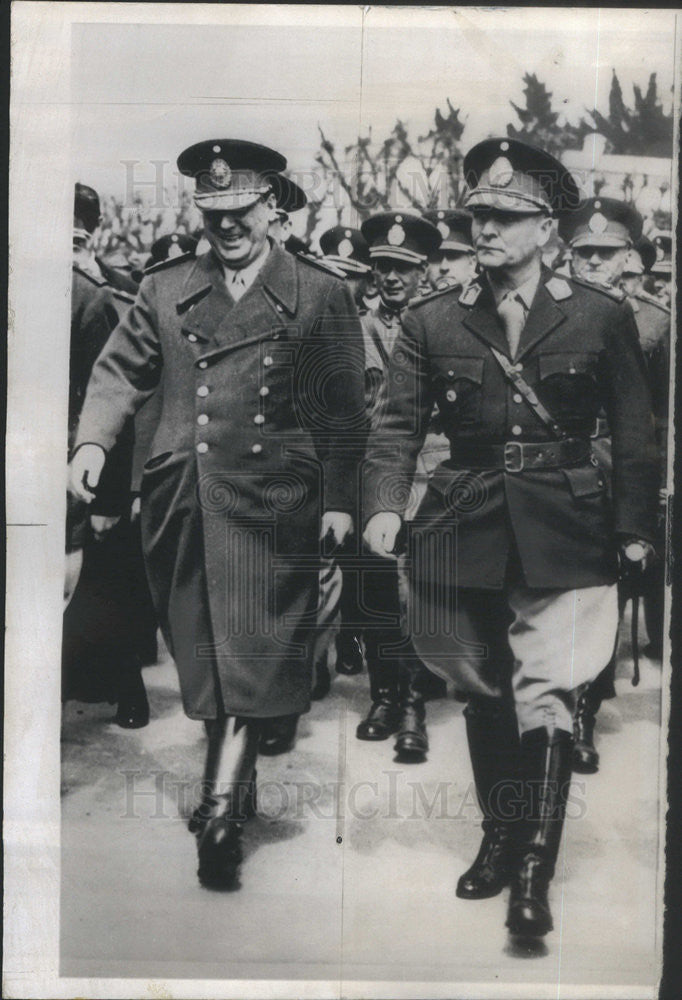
[(345, 248), (220, 173), (598, 223), (396, 236), (660, 252), (174, 250), (501, 172), (444, 230)]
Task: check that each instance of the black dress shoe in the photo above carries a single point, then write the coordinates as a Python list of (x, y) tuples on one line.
[(412, 743), (278, 735), (133, 710), (529, 914), (323, 683), (382, 721), (491, 871), (349, 658), (220, 853)]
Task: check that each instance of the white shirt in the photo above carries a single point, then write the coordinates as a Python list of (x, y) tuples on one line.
[(238, 282)]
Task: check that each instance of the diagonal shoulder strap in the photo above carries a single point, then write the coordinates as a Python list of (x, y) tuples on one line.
[(525, 390)]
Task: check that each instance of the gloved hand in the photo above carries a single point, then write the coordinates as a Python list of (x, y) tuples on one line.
[(84, 471), (381, 533)]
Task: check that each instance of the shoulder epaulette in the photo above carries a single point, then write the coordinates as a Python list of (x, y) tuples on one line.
[(558, 288), (613, 293), (169, 262), (321, 265), (419, 300), (652, 301), (98, 282)]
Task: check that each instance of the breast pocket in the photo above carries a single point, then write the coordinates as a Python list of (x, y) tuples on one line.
[(568, 383), (458, 391)]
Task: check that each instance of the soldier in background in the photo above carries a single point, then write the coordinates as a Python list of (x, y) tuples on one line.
[(661, 269), (454, 262), (400, 244), (603, 237), (106, 636)]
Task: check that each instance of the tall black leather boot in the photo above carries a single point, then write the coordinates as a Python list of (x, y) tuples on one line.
[(383, 718), (412, 743), (546, 760), (493, 738), (585, 755)]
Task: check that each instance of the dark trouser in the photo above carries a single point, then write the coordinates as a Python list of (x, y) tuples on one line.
[(109, 626)]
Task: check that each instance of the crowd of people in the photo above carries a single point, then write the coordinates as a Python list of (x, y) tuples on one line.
[(435, 450)]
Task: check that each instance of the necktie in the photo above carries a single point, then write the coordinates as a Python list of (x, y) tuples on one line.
[(512, 312), (237, 286)]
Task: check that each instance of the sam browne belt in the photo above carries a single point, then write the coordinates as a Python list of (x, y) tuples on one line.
[(515, 456)]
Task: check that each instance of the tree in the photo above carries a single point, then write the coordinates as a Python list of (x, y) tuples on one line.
[(642, 130), (419, 174), (540, 123)]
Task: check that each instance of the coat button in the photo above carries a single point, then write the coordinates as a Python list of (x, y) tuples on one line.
[(572, 370), (275, 336), (259, 419), (202, 447), (264, 391), (202, 419), (192, 338), (518, 398), (517, 368), (202, 390), (267, 361), (256, 448), (451, 395), (451, 373), (278, 308), (516, 430), (203, 364)]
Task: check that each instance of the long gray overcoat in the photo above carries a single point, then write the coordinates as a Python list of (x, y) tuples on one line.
[(261, 424)]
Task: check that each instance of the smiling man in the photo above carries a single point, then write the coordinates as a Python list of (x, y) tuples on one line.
[(261, 361), (514, 549)]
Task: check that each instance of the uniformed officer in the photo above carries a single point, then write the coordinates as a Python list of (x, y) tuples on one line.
[(261, 359), (346, 249), (289, 197), (661, 269), (103, 638), (400, 244), (514, 550), (454, 262), (604, 236)]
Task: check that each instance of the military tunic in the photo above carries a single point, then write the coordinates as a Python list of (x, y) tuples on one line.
[(555, 526), (257, 397)]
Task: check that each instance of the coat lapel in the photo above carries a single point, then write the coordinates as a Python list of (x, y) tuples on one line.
[(484, 321), (215, 319), (544, 315)]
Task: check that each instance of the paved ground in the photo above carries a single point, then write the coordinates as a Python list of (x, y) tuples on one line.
[(352, 861)]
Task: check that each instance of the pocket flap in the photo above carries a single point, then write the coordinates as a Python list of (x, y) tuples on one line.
[(469, 368), (566, 364)]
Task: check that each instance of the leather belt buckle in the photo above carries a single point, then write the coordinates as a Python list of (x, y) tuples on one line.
[(513, 456)]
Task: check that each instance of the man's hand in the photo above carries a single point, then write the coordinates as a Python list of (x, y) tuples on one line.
[(381, 532), (84, 471), (101, 524), (635, 554), (336, 526)]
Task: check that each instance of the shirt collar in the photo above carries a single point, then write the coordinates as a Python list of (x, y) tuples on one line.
[(247, 274), (526, 291)]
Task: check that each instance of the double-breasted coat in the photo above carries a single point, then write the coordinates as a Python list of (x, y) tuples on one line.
[(578, 352), (262, 401)]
